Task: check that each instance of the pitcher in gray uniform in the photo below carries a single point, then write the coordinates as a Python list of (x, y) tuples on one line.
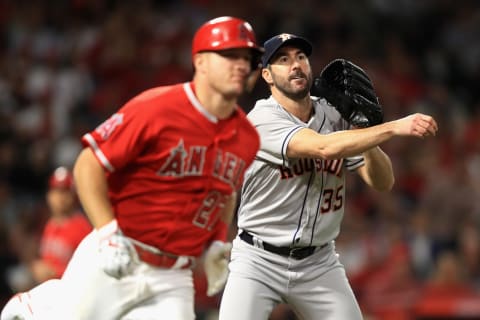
[(293, 197)]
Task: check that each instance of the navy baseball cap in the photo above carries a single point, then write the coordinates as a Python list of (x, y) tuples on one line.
[(274, 43)]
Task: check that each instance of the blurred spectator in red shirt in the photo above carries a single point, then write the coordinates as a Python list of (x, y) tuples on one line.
[(64, 230), (391, 290), (448, 293)]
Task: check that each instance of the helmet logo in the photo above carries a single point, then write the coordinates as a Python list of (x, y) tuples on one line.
[(243, 32)]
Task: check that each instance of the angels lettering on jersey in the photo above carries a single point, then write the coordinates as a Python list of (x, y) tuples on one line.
[(106, 128), (191, 162), (188, 161)]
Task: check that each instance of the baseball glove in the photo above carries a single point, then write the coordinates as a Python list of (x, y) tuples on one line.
[(349, 89)]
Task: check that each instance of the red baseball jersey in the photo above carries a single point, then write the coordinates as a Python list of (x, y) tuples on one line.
[(60, 239), (171, 165)]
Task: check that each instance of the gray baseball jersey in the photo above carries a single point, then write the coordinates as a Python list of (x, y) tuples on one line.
[(293, 202)]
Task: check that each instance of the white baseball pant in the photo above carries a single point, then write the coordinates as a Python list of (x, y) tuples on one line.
[(315, 287), (85, 292)]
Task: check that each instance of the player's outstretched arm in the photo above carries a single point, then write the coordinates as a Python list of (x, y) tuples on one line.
[(377, 171), (307, 143), (417, 125)]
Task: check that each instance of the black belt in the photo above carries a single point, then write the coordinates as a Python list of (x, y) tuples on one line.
[(296, 253)]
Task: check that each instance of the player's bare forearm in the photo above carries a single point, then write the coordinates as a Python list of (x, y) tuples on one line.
[(92, 187), (377, 171), (340, 144), (307, 143)]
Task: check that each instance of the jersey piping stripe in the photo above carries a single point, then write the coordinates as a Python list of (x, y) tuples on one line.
[(194, 101), (305, 197), (284, 144), (318, 209), (319, 201), (354, 164), (303, 210), (88, 137)]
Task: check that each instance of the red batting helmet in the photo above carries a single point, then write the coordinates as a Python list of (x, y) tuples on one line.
[(61, 178), (225, 33)]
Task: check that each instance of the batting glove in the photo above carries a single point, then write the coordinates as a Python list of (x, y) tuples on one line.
[(118, 257), (216, 266)]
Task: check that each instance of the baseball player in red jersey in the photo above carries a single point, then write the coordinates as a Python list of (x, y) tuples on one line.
[(158, 182), (64, 230)]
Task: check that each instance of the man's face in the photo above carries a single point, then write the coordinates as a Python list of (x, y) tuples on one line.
[(289, 72), (227, 71), (61, 201)]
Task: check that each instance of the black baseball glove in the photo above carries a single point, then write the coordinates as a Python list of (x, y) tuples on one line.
[(349, 89)]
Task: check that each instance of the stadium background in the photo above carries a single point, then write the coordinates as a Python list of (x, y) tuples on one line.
[(413, 253)]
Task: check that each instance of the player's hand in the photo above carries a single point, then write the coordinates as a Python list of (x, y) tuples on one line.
[(216, 266), (417, 125), (117, 254)]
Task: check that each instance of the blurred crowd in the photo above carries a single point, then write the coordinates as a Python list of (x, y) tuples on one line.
[(413, 253)]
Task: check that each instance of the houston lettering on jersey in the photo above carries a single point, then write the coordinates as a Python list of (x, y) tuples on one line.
[(191, 162), (303, 166)]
